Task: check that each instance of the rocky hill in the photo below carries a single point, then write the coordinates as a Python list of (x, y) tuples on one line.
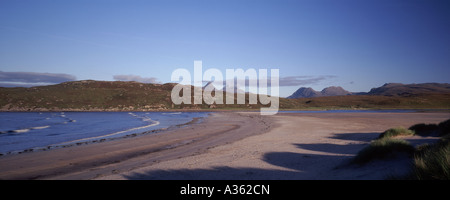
[(304, 92), (334, 91), (388, 96), (398, 89), (388, 89)]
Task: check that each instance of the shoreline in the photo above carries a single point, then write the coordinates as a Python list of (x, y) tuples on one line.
[(103, 138), (96, 159), (229, 145)]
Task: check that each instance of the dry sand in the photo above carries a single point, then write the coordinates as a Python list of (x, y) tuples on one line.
[(230, 145), (301, 146)]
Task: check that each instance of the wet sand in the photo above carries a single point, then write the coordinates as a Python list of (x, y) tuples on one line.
[(100, 159), (228, 145)]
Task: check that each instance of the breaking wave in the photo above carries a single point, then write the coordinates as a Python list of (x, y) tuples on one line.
[(24, 130), (154, 123)]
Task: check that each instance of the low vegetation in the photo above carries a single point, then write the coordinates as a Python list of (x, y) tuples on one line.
[(382, 149), (441, 129), (425, 129), (399, 131), (444, 128), (92, 95), (419, 101), (430, 161)]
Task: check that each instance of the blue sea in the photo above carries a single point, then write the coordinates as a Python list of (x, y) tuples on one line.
[(25, 131)]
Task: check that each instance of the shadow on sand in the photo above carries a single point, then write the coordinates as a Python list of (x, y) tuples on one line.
[(361, 137), (298, 166), (290, 165)]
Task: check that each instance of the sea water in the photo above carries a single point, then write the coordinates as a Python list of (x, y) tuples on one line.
[(25, 131)]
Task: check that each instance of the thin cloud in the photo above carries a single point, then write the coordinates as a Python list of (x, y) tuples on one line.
[(135, 78), (285, 81), (29, 79), (303, 80)]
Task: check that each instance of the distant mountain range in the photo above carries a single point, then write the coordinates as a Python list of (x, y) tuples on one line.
[(388, 89), (307, 92), (398, 89)]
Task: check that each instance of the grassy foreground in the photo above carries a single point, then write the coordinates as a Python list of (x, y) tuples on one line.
[(430, 161), (433, 161)]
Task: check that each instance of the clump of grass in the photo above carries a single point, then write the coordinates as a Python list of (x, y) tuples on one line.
[(444, 128), (440, 129), (433, 161), (430, 161), (383, 148), (395, 132), (424, 129)]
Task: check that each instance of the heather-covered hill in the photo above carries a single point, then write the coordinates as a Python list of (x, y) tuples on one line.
[(304, 92), (88, 95), (398, 89), (92, 95)]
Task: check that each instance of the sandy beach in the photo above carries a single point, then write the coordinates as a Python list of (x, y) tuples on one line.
[(231, 145)]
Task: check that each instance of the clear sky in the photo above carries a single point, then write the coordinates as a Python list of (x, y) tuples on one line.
[(356, 44)]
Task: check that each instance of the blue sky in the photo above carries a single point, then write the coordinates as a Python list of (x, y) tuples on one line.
[(356, 44)]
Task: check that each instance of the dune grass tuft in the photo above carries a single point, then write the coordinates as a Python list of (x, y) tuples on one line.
[(440, 129), (383, 148), (444, 128), (430, 161), (424, 129), (392, 132), (433, 161)]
